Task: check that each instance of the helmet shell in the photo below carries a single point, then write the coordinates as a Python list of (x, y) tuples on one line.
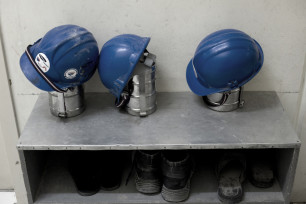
[(223, 61), (118, 59), (67, 55)]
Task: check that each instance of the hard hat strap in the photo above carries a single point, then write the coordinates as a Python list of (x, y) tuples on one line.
[(144, 56), (125, 95), (241, 100), (54, 87), (123, 101), (148, 58), (225, 96), (219, 103)]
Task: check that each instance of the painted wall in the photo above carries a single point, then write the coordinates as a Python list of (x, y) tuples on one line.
[(300, 177), (176, 27), (10, 133), (5, 177)]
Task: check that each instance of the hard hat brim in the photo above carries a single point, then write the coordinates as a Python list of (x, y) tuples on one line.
[(32, 75), (195, 86)]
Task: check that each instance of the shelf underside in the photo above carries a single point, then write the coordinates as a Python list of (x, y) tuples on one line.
[(181, 121), (57, 187)]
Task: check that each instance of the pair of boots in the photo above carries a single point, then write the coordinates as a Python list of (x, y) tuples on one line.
[(168, 172)]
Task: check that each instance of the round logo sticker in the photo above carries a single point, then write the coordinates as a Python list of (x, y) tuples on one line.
[(71, 73), (43, 62)]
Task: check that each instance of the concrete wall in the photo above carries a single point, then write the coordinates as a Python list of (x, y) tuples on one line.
[(300, 187), (300, 178), (9, 135), (176, 27), (5, 176)]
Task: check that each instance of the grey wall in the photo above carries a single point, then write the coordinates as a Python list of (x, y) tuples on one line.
[(5, 176)]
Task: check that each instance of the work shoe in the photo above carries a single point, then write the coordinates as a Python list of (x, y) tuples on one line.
[(148, 171), (177, 169), (230, 172), (261, 168)]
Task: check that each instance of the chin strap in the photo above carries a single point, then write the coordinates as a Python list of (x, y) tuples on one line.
[(241, 101), (224, 98), (125, 95), (123, 100), (53, 86)]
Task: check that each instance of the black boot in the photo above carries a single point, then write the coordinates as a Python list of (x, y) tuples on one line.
[(148, 172), (177, 169), (112, 169), (85, 171)]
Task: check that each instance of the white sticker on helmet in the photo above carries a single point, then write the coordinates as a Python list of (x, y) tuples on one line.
[(71, 73), (43, 62), (194, 70)]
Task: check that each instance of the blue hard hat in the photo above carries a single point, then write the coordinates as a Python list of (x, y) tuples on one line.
[(118, 59), (223, 61), (65, 57)]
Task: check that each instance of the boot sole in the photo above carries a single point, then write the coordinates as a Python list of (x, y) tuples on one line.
[(177, 195), (147, 186), (230, 200)]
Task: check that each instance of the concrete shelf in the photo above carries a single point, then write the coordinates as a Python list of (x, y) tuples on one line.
[(181, 122)]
